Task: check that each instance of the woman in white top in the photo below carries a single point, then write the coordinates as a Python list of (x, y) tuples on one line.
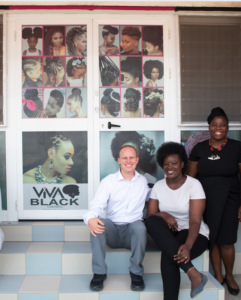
[(174, 221)]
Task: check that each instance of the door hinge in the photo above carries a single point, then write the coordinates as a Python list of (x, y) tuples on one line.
[(169, 34), (17, 205), (15, 35), (170, 73)]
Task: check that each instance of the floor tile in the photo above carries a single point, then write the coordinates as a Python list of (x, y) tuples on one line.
[(77, 247), (78, 296), (75, 284), (40, 284), (8, 296), (118, 263), (43, 264), (120, 296), (16, 223), (205, 295), (151, 262), (10, 284), (50, 233), (74, 264), (52, 223), (12, 264), (117, 284), (15, 247), (76, 233), (38, 297), (74, 223), (45, 247), (153, 283), (151, 296), (17, 233), (238, 244)]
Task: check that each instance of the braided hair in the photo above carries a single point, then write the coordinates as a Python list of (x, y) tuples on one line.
[(53, 65), (48, 47), (74, 33), (132, 99), (112, 101), (32, 94), (52, 140)]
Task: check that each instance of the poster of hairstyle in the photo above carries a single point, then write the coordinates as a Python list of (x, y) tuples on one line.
[(32, 103), (53, 57), (3, 181), (131, 56), (54, 103), (146, 144), (110, 102), (76, 102), (55, 170)]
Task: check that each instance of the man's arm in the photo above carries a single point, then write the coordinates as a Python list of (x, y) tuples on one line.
[(96, 207)]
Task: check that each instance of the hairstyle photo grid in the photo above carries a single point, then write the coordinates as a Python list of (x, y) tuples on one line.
[(131, 57), (54, 58)]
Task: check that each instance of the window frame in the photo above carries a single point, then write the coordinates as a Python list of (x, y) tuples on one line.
[(178, 58)]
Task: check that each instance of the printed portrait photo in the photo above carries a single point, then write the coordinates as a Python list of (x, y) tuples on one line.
[(153, 72), (109, 40), (32, 72), (109, 102), (152, 40), (54, 103), (76, 102), (55, 157), (146, 144), (130, 40), (3, 181), (76, 70), (131, 102), (76, 40), (54, 40), (109, 70), (32, 42), (154, 103), (131, 71), (32, 105), (54, 71)]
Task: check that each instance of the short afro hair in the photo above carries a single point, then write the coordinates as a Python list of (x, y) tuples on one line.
[(169, 148), (149, 65), (217, 112), (132, 31)]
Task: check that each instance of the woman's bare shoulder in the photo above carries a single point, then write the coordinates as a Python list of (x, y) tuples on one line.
[(29, 176), (68, 179)]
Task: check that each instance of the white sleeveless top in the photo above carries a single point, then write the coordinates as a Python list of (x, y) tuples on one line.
[(36, 53)]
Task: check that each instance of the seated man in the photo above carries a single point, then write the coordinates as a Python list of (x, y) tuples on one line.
[(123, 195)]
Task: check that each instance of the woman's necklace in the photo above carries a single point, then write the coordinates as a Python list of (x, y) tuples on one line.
[(214, 155), (40, 178)]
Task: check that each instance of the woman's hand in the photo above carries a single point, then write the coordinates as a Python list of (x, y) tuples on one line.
[(239, 213), (183, 254), (170, 220)]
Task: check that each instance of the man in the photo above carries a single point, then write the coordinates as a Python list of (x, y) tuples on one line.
[(123, 195)]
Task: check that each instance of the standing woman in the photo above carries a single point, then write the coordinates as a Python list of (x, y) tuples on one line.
[(54, 41), (216, 163)]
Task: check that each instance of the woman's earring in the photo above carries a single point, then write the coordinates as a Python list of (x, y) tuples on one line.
[(51, 165)]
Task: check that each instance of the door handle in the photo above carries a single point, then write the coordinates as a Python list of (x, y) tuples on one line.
[(112, 125)]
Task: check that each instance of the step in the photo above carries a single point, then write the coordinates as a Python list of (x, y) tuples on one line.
[(76, 287), (74, 258)]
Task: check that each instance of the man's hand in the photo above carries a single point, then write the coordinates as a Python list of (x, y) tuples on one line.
[(96, 226)]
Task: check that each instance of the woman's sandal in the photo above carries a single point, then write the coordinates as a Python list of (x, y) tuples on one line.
[(198, 289)]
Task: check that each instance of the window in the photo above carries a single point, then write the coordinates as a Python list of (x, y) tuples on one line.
[(210, 67), (1, 70)]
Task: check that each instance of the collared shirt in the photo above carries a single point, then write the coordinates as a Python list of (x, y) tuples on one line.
[(123, 200)]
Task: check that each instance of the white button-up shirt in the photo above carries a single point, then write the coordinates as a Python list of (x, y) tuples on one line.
[(123, 200)]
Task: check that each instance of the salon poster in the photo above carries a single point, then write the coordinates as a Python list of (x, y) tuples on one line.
[(131, 65), (3, 180), (55, 170), (145, 142), (54, 71)]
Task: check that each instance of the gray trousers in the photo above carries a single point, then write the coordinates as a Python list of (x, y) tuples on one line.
[(131, 236)]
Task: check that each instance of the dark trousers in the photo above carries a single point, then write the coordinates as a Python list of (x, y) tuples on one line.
[(169, 241)]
